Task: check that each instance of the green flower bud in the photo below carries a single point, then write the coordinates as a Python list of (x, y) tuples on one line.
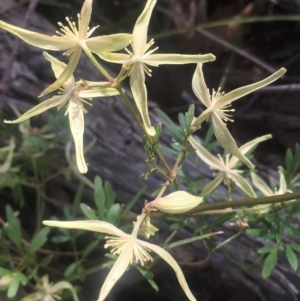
[(176, 202)]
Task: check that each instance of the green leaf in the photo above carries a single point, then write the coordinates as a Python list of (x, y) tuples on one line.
[(4, 271), (77, 199), (45, 261), (113, 213), (257, 232), (21, 277), (60, 239), (13, 229), (158, 130), (109, 195), (266, 249), (291, 256), (70, 269), (295, 247), (148, 275), (189, 115), (270, 263), (88, 212), (181, 119), (99, 196), (13, 288), (39, 240)]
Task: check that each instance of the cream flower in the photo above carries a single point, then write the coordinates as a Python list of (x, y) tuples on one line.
[(225, 168), (50, 292), (129, 248), (72, 39), (74, 97), (217, 108), (137, 61)]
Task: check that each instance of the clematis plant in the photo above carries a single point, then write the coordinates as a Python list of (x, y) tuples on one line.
[(218, 110), (47, 291), (74, 96), (226, 172), (72, 40), (137, 60), (129, 248)]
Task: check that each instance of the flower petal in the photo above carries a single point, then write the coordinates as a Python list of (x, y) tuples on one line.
[(61, 285), (39, 40), (76, 119), (199, 86), (100, 92), (206, 156), (140, 30), (54, 101), (240, 92), (225, 139), (85, 17), (171, 261), (107, 43), (261, 185), (117, 270), (118, 58), (139, 91), (177, 59), (209, 188), (90, 225), (58, 67), (242, 184), (66, 74), (244, 149)]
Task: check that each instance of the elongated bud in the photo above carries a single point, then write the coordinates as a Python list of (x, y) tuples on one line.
[(5, 281), (176, 202)]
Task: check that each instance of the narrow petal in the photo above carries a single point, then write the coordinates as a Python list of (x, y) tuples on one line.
[(33, 297), (242, 184), (101, 92), (108, 43), (282, 183), (171, 261), (225, 139), (199, 86), (177, 59), (118, 58), (90, 225), (139, 91), (140, 30), (261, 185), (206, 156), (66, 74), (55, 101), (39, 40), (240, 92), (85, 17), (117, 271), (197, 122), (209, 188), (58, 67), (244, 149), (76, 119), (61, 285)]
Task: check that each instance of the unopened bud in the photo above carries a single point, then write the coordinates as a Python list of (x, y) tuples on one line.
[(5, 281), (176, 202)]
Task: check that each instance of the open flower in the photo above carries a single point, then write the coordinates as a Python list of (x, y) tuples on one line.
[(137, 61), (129, 248), (74, 97), (225, 168), (72, 40), (50, 292), (260, 184), (217, 108)]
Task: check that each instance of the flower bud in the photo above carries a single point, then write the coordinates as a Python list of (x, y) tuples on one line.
[(5, 281), (176, 202)]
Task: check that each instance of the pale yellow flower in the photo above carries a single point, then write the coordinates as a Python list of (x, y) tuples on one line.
[(137, 61), (47, 291), (74, 97), (218, 108), (72, 40), (225, 169), (129, 248)]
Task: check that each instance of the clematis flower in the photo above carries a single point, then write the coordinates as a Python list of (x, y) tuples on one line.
[(137, 61), (74, 97), (267, 191), (50, 292), (129, 248), (218, 108), (225, 169), (72, 40)]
